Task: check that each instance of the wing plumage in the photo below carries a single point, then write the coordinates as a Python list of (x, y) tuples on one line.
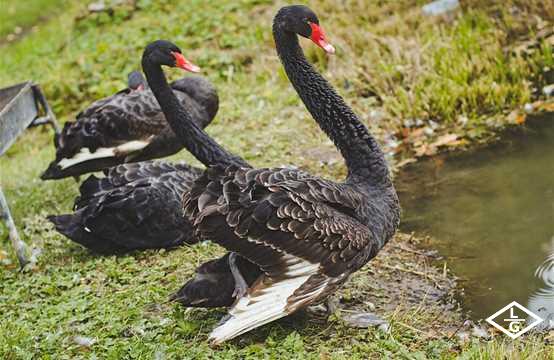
[(127, 126), (305, 233), (135, 206)]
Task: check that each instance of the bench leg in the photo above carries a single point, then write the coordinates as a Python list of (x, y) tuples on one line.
[(19, 246)]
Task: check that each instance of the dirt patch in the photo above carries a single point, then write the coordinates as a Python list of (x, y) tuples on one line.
[(403, 281)]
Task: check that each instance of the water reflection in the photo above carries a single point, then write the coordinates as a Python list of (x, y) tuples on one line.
[(491, 215), (541, 302)]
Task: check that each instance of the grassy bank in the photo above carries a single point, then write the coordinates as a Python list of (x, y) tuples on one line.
[(392, 65)]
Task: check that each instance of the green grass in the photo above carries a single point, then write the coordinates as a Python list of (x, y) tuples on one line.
[(419, 67), (25, 14)]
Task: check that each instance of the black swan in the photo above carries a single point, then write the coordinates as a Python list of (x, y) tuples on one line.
[(134, 206), (128, 127), (214, 283), (307, 234)]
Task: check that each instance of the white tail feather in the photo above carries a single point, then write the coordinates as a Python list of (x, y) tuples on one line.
[(85, 155), (266, 302)]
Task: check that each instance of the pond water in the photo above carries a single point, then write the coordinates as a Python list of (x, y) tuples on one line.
[(490, 215)]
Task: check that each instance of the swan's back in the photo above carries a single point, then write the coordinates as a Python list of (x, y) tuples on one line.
[(202, 92)]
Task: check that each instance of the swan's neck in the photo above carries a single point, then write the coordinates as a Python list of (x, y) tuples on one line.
[(193, 138), (363, 156)]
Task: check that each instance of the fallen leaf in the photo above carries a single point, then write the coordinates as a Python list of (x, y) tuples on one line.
[(547, 107), (445, 140), (421, 150), (406, 162), (520, 119)]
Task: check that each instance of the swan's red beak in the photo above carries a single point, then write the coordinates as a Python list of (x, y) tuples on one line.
[(318, 37), (184, 64)]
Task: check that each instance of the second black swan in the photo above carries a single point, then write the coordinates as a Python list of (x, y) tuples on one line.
[(134, 206), (128, 126)]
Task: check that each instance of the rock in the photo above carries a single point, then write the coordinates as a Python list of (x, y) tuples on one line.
[(528, 108), (84, 341), (365, 320), (462, 120), (370, 306), (376, 115), (97, 7), (548, 90), (463, 337), (385, 327), (440, 7), (408, 123), (479, 332)]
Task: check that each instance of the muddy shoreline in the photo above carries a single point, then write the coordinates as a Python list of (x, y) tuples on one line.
[(445, 296)]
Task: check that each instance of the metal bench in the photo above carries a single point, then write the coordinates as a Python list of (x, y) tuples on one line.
[(21, 106)]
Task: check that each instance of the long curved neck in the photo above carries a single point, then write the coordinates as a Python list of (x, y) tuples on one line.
[(364, 159), (193, 138)]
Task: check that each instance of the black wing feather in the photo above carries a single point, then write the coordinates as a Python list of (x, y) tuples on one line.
[(281, 211), (135, 206)]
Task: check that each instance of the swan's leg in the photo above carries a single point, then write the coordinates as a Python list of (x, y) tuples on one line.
[(241, 287), (353, 319), (324, 310)]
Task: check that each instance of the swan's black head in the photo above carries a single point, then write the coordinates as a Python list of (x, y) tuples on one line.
[(303, 21), (163, 52), (135, 81)]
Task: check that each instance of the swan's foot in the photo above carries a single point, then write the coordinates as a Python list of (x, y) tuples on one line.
[(223, 320), (241, 287), (365, 320), (323, 311)]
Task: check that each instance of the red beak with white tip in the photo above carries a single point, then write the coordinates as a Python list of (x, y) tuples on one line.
[(318, 37), (184, 64)]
